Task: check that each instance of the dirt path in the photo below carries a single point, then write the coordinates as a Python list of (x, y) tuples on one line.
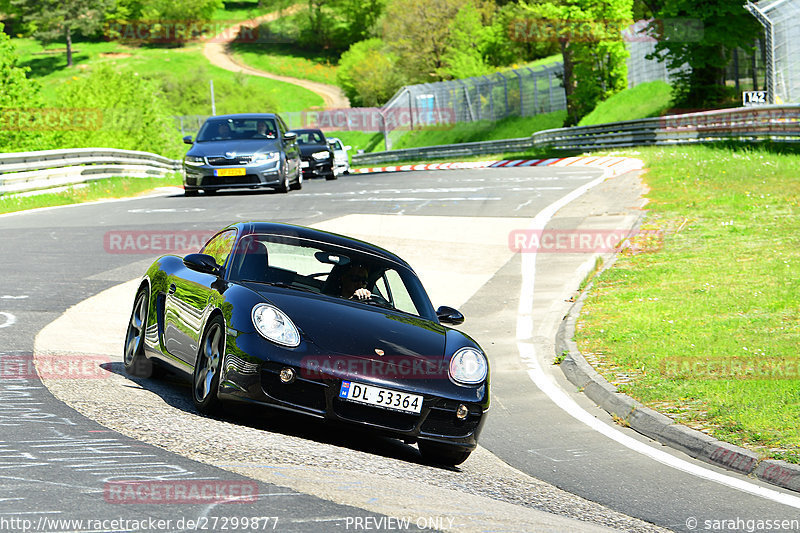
[(218, 53)]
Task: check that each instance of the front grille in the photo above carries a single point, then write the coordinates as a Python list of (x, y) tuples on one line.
[(301, 392), (375, 415), (249, 179), (443, 422), (224, 161)]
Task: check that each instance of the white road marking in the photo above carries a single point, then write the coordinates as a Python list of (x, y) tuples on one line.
[(9, 297), (10, 319), (560, 398)]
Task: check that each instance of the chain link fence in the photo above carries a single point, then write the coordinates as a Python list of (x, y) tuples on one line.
[(781, 21)]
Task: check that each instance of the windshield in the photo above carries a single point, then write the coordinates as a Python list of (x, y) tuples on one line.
[(323, 268), (310, 137), (247, 128)]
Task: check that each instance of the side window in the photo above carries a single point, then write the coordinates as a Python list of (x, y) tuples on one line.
[(399, 294), (220, 246), (337, 145), (281, 126)]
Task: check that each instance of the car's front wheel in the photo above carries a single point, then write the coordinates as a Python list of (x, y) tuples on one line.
[(134, 359), (443, 454), (205, 379), (299, 183)]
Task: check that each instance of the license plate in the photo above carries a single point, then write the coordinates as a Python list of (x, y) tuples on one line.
[(229, 172), (304, 164), (388, 399)]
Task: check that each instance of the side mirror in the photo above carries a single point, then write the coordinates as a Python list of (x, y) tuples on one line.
[(187, 140), (448, 315), (202, 263), (290, 136)]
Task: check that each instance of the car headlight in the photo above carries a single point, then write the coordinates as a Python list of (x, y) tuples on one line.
[(319, 156), (195, 159), (275, 326), (468, 366), (266, 157)]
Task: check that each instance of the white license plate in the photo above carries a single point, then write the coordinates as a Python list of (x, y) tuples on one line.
[(304, 164), (388, 399)]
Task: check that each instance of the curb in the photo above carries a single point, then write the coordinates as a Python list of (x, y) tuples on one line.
[(611, 165), (659, 427)]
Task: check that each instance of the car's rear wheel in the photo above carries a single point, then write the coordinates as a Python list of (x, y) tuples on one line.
[(205, 380), (134, 359), (443, 454)]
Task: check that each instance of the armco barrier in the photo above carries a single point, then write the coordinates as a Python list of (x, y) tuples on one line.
[(774, 123), (26, 171)]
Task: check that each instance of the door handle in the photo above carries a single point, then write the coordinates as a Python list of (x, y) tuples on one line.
[(172, 288)]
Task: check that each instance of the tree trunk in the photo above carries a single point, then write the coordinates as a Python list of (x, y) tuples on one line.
[(69, 46), (569, 82)]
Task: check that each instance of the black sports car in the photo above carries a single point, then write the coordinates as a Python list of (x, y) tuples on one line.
[(249, 150), (315, 323), (316, 154)]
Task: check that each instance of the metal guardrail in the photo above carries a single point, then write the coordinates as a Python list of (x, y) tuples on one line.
[(775, 123), (28, 171)]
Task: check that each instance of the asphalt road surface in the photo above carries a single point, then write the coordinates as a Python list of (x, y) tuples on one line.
[(453, 227)]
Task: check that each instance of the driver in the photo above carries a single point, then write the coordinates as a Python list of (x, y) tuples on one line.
[(354, 282)]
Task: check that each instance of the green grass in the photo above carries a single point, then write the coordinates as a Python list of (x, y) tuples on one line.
[(239, 10), (720, 292), (94, 190), (288, 60), (360, 140), (483, 130), (649, 99), (182, 63)]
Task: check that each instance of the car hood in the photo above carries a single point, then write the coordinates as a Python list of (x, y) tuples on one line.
[(340, 327), (238, 147), (308, 149)]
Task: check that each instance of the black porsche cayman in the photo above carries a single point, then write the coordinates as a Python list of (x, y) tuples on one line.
[(315, 323)]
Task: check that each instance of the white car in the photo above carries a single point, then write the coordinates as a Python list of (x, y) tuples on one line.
[(341, 157)]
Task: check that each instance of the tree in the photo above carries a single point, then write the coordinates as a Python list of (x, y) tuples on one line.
[(417, 31), (589, 34), (19, 96), (53, 20), (466, 45), (701, 36), (367, 73)]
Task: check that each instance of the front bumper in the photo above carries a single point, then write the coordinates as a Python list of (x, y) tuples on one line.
[(313, 168), (254, 176), (318, 396)]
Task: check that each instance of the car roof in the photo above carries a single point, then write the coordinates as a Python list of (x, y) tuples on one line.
[(307, 130), (277, 228)]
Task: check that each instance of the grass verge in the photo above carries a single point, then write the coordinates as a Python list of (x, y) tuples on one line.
[(705, 327), (288, 60), (649, 99), (93, 190)]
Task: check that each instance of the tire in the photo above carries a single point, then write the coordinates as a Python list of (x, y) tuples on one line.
[(134, 359), (190, 192), (284, 186), (207, 366), (443, 454), (331, 177), (210, 192)]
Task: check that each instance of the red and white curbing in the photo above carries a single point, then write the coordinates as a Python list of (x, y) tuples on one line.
[(613, 166)]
